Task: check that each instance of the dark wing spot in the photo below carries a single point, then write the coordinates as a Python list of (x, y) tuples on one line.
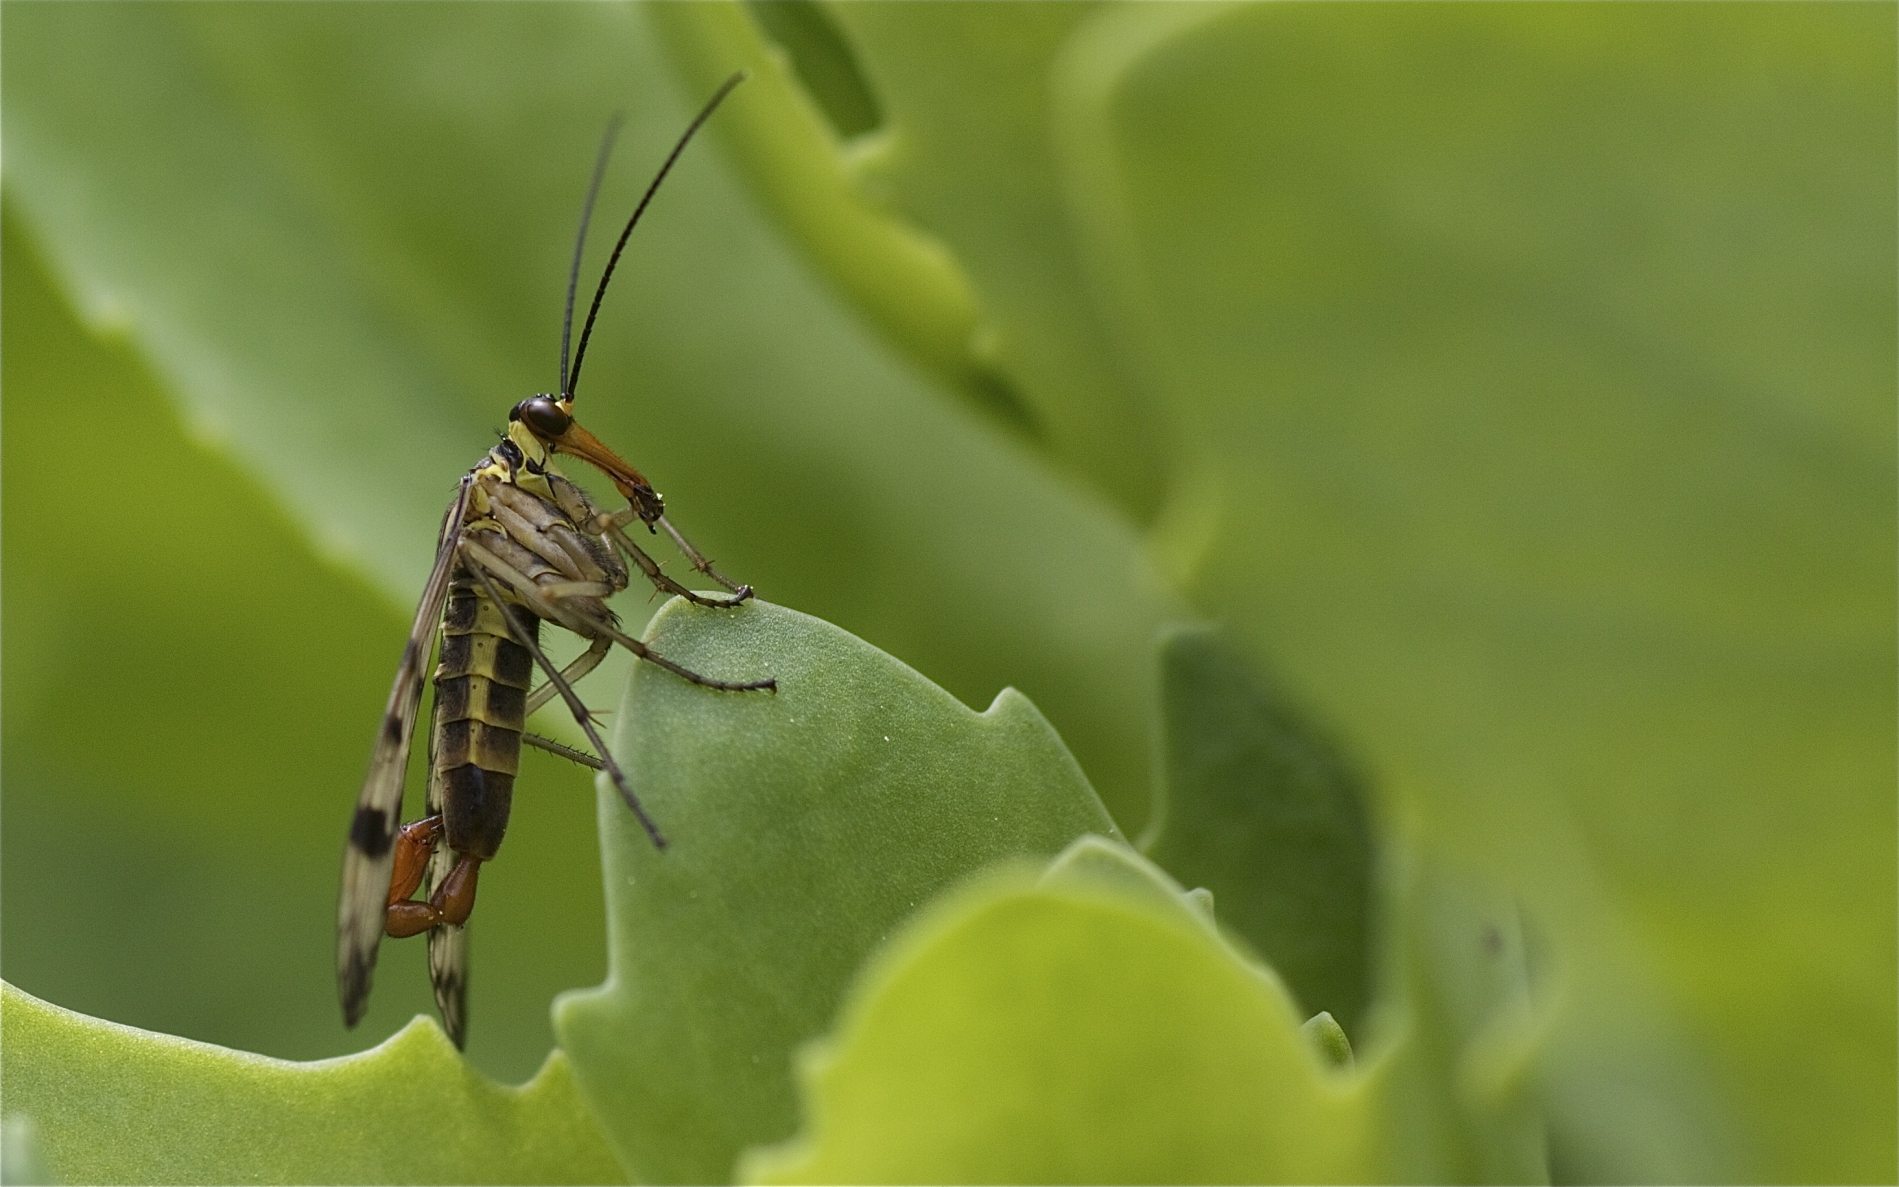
[(451, 998), (392, 730), (355, 987), (372, 832)]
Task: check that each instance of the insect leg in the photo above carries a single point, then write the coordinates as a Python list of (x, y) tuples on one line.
[(415, 844), (567, 752), (700, 563), (592, 628), (612, 528), (588, 661), (560, 591), (474, 552), (768, 684), (585, 663), (610, 525), (525, 588), (450, 905), (650, 567)]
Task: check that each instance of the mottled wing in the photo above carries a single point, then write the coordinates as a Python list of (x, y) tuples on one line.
[(448, 944), (369, 855)]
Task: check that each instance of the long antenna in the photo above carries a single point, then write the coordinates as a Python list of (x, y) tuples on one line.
[(586, 330), (580, 240)]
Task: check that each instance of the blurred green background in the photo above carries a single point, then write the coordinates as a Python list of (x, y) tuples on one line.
[(1516, 382)]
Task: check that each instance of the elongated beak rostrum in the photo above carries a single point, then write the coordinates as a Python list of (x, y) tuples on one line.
[(553, 423)]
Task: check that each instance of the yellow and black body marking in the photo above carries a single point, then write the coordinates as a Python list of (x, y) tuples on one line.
[(520, 545)]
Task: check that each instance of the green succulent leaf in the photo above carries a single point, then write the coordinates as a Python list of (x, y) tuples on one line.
[(22, 1164), (1258, 809), (1084, 1026), (1541, 420), (1330, 1038), (969, 1052), (111, 1104), (1513, 383), (960, 156), (1452, 1048), (909, 283), (804, 826), (1519, 384)]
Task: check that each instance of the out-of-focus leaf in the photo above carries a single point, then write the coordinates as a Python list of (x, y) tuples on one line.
[(1450, 1051), (1524, 382), (1085, 1027), (1330, 1038), (962, 151), (1269, 817), (116, 1105), (1537, 368), (824, 63), (906, 281), (804, 827)]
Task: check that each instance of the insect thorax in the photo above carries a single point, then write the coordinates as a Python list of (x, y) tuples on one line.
[(532, 517)]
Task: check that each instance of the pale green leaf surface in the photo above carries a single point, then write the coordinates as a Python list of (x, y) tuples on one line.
[(22, 1163), (116, 1105), (804, 826), (983, 1059), (1257, 805), (1085, 1026), (822, 61)]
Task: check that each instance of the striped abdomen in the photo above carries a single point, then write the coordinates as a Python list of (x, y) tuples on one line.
[(481, 688)]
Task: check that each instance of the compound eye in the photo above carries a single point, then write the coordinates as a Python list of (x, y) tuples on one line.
[(543, 416)]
